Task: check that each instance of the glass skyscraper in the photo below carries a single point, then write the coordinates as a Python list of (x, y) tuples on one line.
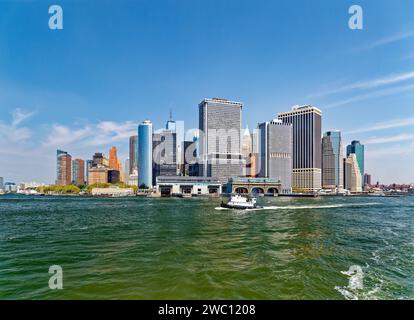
[(358, 149), (145, 154), (332, 160)]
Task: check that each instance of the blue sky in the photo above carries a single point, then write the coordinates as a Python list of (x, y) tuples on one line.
[(116, 63)]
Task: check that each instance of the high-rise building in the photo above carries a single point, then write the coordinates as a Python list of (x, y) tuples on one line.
[(164, 145), (307, 147), (89, 164), (275, 152), (133, 154), (358, 149), (352, 176), (367, 179), (145, 154), (1, 183), (190, 166), (332, 160), (78, 171), (113, 159), (63, 168), (220, 139), (126, 171), (247, 144)]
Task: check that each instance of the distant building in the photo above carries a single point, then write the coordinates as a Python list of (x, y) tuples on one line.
[(98, 175), (358, 149), (113, 159), (114, 176), (246, 144), (220, 135), (1, 183), (189, 158), (78, 172), (89, 164), (126, 171), (98, 160), (276, 159), (64, 168), (10, 187), (352, 176), (191, 186), (113, 192), (133, 154), (145, 154), (367, 179), (332, 161), (164, 155), (307, 147)]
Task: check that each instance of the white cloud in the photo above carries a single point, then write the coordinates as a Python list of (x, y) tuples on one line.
[(389, 39), (391, 124), (19, 116), (389, 139), (13, 132)]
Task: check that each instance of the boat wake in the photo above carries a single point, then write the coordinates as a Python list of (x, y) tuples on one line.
[(306, 207)]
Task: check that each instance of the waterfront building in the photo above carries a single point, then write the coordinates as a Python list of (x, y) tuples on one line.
[(352, 176), (145, 154), (133, 154), (112, 192), (332, 161), (188, 186), (98, 174), (220, 139), (10, 187), (254, 186), (164, 155), (133, 178), (275, 152), (113, 159), (307, 147), (367, 179), (78, 172), (358, 149), (63, 168)]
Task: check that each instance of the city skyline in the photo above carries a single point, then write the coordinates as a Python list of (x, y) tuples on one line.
[(85, 94)]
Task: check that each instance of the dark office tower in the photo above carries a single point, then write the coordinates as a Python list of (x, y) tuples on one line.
[(114, 176), (276, 144), (63, 168), (367, 179), (78, 171), (332, 160), (220, 139), (133, 154), (358, 149), (164, 144), (307, 147)]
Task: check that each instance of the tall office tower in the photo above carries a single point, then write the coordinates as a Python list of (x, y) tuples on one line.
[(113, 159), (367, 179), (145, 154), (246, 144), (164, 145), (78, 171), (332, 160), (357, 148), (89, 164), (64, 168), (220, 139), (133, 154), (126, 171), (190, 158), (307, 147), (1, 183), (177, 127), (276, 146), (352, 176)]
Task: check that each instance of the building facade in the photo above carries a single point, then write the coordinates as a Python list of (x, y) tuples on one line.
[(64, 168), (275, 152), (352, 176), (191, 186), (367, 179), (307, 147), (133, 154), (164, 154), (145, 154), (78, 172), (332, 161), (359, 150), (220, 139)]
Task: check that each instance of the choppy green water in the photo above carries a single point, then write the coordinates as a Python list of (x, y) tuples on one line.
[(140, 248)]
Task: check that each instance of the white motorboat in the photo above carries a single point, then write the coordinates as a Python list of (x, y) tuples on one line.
[(240, 202)]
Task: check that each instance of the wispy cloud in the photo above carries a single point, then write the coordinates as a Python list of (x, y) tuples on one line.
[(19, 116), (371, 95), (395, 138), (369, 84), (395, 123), (102, 133), (389, 39), (13, 132)]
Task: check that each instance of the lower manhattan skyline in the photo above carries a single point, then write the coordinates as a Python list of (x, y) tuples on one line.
[(139, 61)]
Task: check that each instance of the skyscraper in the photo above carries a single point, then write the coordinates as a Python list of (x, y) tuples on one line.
[(89, 164), (220, 135), (133, 154), (352, 176), (1, 183), (78, 171), (276, 159), (307, 147), (367, 179), (145, 154), (358, 149), (164, 146), (332, 160), (63, 168), (113, 159)]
